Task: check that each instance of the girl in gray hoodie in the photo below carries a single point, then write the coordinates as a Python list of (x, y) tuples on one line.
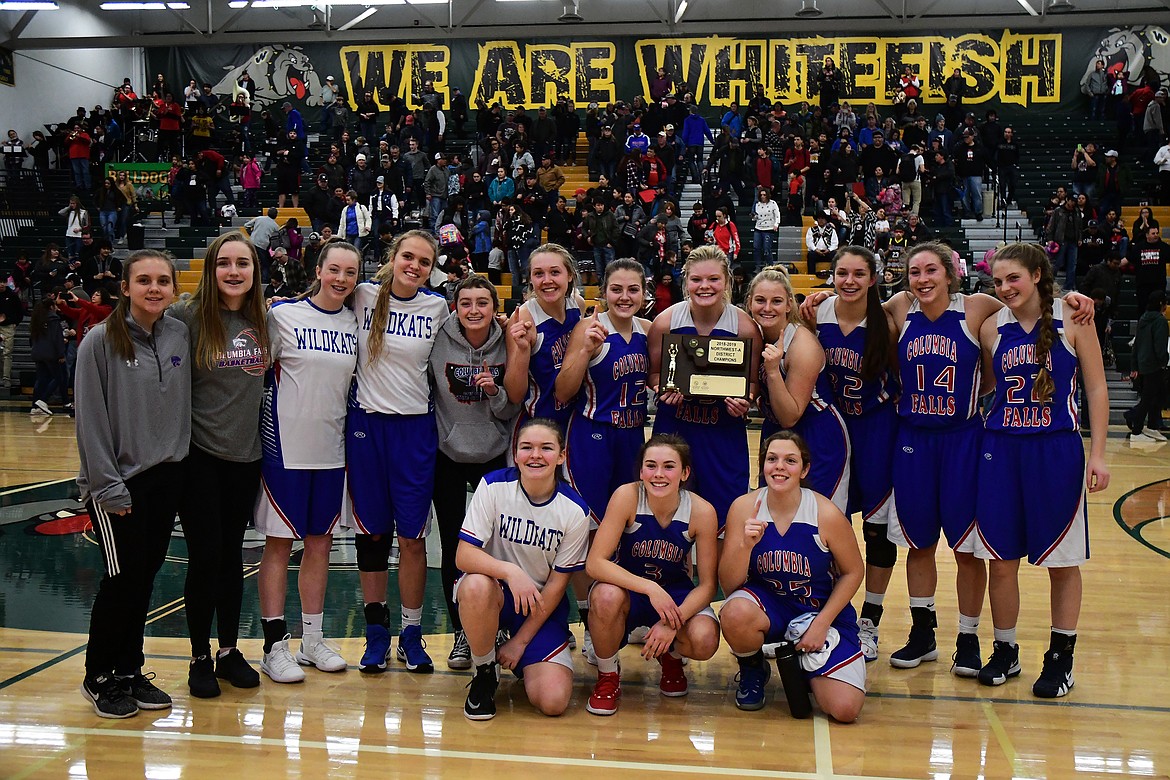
[(133, 393), (474, 418)]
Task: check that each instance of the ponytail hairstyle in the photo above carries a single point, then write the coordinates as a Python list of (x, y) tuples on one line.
[(705, 253), (879, 344), (212, 333), (777, 274), (943, 253), (1033, 259), (385, 278), (566, 256), (623, 264), (327, 248), (117, 330)]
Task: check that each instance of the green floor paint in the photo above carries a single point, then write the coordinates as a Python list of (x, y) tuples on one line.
[(50, 568)]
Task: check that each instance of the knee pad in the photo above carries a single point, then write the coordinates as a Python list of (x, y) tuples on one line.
[(879, 550), (373, 552)]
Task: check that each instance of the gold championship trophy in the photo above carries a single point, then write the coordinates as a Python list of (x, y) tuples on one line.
[(706, 366)]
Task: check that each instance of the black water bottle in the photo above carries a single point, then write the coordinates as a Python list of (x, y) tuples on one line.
[(796, 687)]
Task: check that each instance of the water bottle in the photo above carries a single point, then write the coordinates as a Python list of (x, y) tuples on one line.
[(796, 687)]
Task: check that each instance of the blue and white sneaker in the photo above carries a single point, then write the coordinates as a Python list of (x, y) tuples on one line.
[(377, 649), (754, 674), (412, 652)]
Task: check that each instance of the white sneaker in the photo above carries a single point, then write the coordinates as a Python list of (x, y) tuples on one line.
[(638, 635), (44, 407), (1153, 434), (1141, 438), (315, 651), (279, 664), (587, 649), (869, 639)]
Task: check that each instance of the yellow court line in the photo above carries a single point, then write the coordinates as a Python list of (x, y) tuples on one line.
[(1001, 736), (432, 753), (823, 745)]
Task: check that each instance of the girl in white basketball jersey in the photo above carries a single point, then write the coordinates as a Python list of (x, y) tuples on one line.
[(391, 442), (525, 533), (313, 342)]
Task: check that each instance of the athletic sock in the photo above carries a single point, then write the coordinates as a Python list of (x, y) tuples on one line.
[(311, 624), (1006, 635), (872, 608), (479, 660), (968, 624), (275, 629), (748, 654), (922, 601), (1063, 640), (607, 665), (377, 614), (411, 616)]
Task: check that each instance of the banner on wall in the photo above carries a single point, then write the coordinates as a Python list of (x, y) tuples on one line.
[(7, 67), (150, 180), (1040, 70)]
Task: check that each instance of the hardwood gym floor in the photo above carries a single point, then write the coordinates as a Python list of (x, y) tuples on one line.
[(916, 723)]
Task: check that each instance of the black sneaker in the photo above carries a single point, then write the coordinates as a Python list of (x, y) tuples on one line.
[(201, 678), (1056, 679), (234, 668), (143, 692), (1003, 664), (481, 699), (966, 662), (919, 647), (107, 697)]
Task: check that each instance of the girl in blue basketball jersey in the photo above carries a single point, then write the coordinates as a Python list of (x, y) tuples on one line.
[(795, 392), (641, 560), (391, 442), (526, 532), (716, 429), (859, 353), (314, 352), (605, 371), (1034, 350), (790, 565), (538, 336)]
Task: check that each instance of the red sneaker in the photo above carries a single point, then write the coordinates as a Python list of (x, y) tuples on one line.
[(606, 694), (674, 679)]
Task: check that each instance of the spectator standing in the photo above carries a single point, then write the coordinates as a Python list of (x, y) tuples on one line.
[(329, 95), (767, 225), (1162, 160), (1064, 231), (1097, 88), (1149, 370), (1149, 254), (11, 315), (970, 164)]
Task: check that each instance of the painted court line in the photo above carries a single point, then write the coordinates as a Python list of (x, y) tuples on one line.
[(822, 745), (1001, 736), (34, 486), (467, 755)]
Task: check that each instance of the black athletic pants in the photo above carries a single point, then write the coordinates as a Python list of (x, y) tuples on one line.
[(450, 498), (134, 546), (1147, 413), (217, 504)]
